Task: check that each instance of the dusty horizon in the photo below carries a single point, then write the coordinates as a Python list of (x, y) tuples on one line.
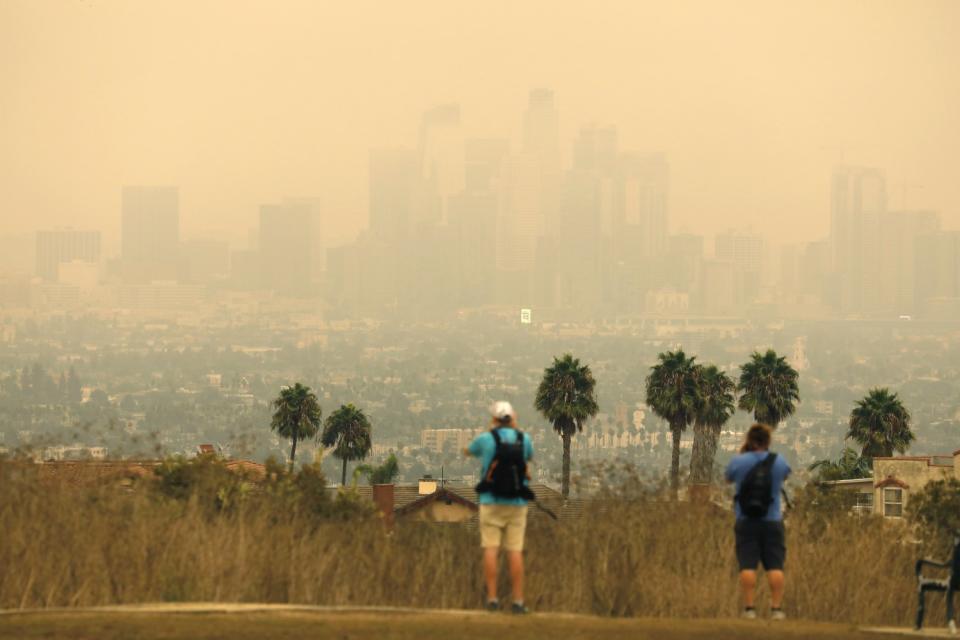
[(245, 105)]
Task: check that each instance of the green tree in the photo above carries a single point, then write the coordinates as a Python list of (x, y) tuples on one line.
[(848, 466), (715, 404), (383, 474), (566, 397), (348, 430), (935, 509), (296, 416), (880, 424), (672, 395), (768, 387)]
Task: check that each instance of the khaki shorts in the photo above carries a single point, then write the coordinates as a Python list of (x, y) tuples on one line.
[(502, 525)]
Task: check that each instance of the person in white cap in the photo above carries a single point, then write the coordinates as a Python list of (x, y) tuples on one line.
[(503, 492)]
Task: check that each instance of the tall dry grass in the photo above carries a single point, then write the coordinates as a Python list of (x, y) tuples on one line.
[(629, 555)]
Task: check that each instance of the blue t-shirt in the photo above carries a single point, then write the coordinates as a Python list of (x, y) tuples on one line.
[(484, 447), (740, 466)]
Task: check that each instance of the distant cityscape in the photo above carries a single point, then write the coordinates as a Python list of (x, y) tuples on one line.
[(482, 260), (457, 224)]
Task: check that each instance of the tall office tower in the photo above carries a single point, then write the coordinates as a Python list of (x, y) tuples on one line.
[(441, 161), (319, 253), (204, 260), (937, 275), (813, 270), (746, 252), (150, 233), (855, 192), (57, 247), (541, 135), (889, 259), (541, 141), (642, 209), (286, 248), (483, 164), (595, 149), (685, 256), (394, 180), (721, 293)]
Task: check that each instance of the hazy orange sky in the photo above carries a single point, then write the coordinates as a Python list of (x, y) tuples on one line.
[(241, 103)]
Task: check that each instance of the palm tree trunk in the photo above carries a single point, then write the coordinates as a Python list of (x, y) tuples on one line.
[(293, 452), (675, 463), (343, 477), (700, 458), (565, 476), (713, 438)]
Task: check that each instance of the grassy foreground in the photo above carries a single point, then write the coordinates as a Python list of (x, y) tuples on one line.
[(395, 626)]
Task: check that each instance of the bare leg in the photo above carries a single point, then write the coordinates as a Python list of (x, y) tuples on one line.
[(491, 558), (748, 585), (777, 582), (515, 560)]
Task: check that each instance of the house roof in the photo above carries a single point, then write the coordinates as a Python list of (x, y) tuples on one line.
[(936, 460), (890, 481), (440, 494)]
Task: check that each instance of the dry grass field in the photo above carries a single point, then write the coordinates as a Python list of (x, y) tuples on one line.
[(630, 555)]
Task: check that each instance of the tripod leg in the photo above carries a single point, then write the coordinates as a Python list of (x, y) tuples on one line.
[(920, 607), (951, 619)]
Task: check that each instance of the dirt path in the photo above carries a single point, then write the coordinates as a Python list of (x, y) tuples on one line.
[(291, 622)]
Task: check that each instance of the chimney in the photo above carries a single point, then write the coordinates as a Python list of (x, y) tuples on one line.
[(427, 485), (383, 498)]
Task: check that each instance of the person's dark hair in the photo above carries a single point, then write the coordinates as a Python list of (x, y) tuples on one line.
[(758, 438)]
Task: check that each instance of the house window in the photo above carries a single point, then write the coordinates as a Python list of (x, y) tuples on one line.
[(893, 503), (864, 503)]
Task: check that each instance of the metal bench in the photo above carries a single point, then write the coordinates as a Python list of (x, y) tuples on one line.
[(949, 585)]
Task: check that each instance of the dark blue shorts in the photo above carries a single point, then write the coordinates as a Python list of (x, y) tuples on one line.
[(760, 542)]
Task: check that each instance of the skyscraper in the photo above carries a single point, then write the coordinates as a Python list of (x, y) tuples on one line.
[(287, 247), (150, 233), (855, 192), (441, 161), (642, 210), (57, 247), (394, 180)]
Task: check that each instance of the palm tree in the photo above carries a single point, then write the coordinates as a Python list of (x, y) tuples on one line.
[(880, 424), (768, 385), (716, 403), (566, 398), (348, 430), (848, 466), (296, 416), (672, 395)]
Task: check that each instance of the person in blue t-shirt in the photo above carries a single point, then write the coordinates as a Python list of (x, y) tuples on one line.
[(760, 540), (503, 521)]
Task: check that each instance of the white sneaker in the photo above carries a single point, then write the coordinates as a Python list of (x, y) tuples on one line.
[(749, 614), (778, 614)]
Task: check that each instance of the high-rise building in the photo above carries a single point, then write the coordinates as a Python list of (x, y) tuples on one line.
[(889, 259), (203, 260), (937, 276), (150, 233), (642, 210), (441, 161), (394, 185), (855, 192), (57, 247), (287, 248), (746, 252)]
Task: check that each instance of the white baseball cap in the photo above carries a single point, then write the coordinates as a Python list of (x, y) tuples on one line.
[(502, 410)]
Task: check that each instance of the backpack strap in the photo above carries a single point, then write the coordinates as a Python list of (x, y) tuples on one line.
[(496, 436)]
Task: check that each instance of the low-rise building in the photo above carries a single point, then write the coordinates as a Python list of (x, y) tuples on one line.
[(894, 479)]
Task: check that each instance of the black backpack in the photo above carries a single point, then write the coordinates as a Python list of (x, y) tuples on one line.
[(507, 471), (756, 490)]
